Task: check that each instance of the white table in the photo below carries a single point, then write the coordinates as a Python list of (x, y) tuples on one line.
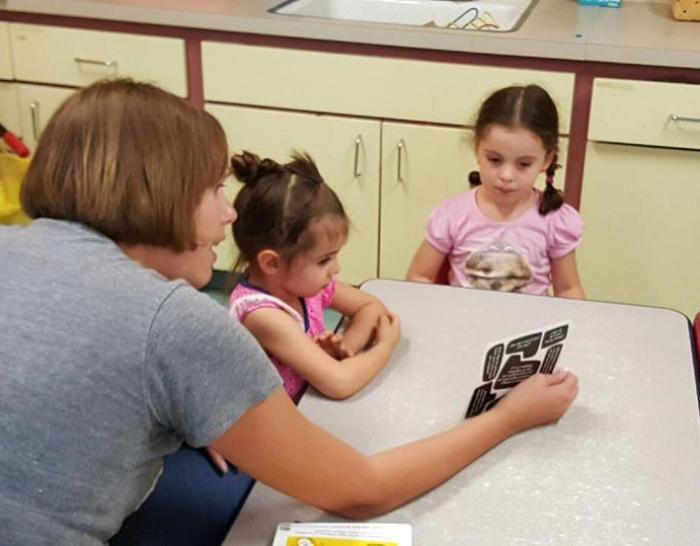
[(622, 467)]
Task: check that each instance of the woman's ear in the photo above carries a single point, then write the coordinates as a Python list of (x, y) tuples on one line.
[(269, 262)]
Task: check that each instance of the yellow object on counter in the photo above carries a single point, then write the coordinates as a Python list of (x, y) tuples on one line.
[(686, 10), (12, 171)]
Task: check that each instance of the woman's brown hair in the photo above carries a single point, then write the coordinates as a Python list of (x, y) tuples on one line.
[(530, 107), (129, 160)]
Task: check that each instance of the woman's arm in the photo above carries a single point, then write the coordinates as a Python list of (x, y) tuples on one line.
[(565, 279), (275, 444), (281, 337), (426, 264), (363, 310)]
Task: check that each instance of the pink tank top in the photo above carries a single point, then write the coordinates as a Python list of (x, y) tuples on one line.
[(246, 298)]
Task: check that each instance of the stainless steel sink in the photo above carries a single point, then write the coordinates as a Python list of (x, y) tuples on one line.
[(479, 15)]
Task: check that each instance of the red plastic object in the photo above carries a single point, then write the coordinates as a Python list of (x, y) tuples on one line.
[(14, 142)]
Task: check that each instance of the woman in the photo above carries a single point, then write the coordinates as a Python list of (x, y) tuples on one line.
[(109, 357)]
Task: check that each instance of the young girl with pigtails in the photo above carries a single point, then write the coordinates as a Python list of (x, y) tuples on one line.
[(504, 234), (289, 231)]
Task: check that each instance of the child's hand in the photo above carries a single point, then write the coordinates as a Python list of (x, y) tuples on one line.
[(334, 345), (540, 399), (217, 460), (388, 329)]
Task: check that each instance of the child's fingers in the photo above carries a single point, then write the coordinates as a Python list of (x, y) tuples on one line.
[(217, 460)]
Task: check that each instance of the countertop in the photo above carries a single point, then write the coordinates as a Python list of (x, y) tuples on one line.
[(641, 32)]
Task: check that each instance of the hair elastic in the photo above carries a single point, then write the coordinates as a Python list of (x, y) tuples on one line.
[(550, 180)]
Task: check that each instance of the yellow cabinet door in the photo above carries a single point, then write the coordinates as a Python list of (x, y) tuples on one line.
[(37, 103), (640, 205), (6, 71), (422, 165), (9, 108), (346, 151)]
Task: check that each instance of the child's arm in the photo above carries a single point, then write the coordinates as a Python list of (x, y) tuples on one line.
[(363, 310), (426, 264), (565, 279), (328, 473), (281, 337)]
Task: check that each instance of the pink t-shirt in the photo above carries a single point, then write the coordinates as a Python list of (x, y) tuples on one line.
[(509, 256), (246, 298)]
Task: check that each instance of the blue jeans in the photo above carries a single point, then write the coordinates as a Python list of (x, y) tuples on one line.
[(191, 505)]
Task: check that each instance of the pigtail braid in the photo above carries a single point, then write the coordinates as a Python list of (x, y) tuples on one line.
[(552, 199), (474, 179)]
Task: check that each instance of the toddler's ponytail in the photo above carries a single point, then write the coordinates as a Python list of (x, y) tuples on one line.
[(249, 168)]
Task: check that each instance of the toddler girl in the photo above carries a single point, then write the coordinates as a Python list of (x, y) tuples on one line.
[(504, 234), (290, 228)]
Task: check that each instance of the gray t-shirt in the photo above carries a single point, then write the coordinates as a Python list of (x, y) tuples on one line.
[(105, 367)]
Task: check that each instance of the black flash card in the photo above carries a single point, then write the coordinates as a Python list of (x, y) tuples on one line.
[(508, 362)]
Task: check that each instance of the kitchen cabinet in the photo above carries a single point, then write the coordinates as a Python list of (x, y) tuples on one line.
[(6, 72), (347, 153), (366, 86), (641, 193), (76, 57), (9, 108), (55, 60), (25, 109), (422, 165), (422, 109), (37, 103)]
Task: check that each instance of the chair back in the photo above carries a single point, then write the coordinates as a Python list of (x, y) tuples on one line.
[(441, 277)]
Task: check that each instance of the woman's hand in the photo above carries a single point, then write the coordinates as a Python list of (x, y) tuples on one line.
[(334, 344), (538, 400)]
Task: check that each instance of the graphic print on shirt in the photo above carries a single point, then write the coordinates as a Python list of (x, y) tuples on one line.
[(499, 266)]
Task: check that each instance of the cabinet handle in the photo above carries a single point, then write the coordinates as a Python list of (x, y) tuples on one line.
[(109, 64), (674, 117), (34, 111), (399, 164), (355, 169)]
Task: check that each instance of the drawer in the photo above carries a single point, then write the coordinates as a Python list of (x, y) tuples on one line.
[(78, 57), (366, 86), (641, 112), (5, 57)]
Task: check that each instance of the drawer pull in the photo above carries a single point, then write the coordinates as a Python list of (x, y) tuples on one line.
[(109, 64), (355, 169), (34, 111), (399, 164), (674, 117)]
